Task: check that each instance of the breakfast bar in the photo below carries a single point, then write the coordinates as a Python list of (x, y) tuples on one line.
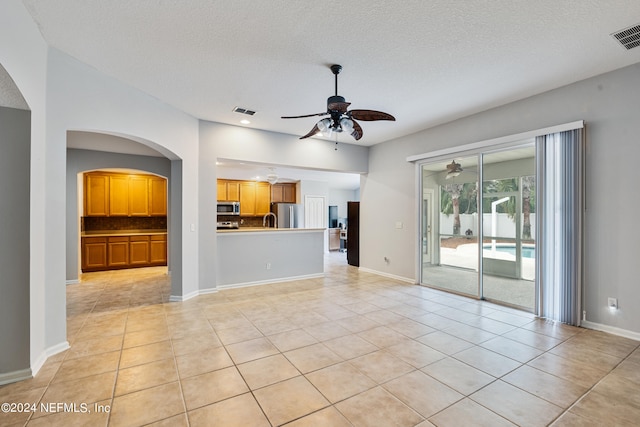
[(257, 255)]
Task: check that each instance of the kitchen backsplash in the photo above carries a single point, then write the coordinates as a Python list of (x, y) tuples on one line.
[(94, 223), (245, 221)]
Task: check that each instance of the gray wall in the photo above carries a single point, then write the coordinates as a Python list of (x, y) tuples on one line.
[(79, 161), (15, 144), (340, 198), (609, 105)]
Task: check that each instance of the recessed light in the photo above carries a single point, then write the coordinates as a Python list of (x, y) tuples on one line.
[(245, 122)]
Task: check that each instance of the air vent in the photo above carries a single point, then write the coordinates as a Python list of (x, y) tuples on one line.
[(629, 37), (243, 111)]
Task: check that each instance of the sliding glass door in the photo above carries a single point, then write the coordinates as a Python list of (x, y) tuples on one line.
[(479, 240), (508, 226)]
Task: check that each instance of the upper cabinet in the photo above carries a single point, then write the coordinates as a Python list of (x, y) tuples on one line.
[(96, 194), (255, 198), (157, 196), (111, 194), (228, 190), (283, 193)]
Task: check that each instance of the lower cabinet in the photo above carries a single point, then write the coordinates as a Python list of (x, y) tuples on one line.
[(138, 251), (111, 253)]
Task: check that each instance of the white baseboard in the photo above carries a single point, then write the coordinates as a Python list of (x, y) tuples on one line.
[(181, 298), (73, 282), (611, 329), (15, 376), (25, 374), (391, 276), (267, 282), (208, 291)]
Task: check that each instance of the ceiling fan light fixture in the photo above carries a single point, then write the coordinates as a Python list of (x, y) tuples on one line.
[(272, 178), (325, 127), (454, 169), (346, 125)]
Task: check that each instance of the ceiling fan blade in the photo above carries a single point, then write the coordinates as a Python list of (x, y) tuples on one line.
[(306, 115), (338, 106), (312, 132), (371, 115), (357, 130)]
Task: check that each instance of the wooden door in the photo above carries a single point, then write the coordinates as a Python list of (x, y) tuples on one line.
[(138, 196), (96, 195), (118, 195), (157, 196)]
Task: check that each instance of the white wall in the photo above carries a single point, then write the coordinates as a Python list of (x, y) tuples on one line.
[(609, 105), (340, 198), (64, 95), (23, 54)]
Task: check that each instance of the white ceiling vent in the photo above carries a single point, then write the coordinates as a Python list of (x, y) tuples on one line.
[(243, 111), (629, 37)]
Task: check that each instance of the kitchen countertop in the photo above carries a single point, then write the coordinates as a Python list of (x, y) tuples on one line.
[(266, 229), (118, 233)]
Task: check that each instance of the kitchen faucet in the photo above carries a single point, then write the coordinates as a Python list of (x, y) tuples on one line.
[(275, 219)]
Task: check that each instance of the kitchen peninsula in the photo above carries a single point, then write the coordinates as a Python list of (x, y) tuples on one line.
[(258, 255)]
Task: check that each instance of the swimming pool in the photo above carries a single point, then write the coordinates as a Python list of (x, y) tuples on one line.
[(527, 251)]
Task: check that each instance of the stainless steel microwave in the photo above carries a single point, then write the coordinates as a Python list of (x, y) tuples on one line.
[(228, 208)]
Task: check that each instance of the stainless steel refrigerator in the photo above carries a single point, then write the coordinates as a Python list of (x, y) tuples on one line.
[(290, 215)]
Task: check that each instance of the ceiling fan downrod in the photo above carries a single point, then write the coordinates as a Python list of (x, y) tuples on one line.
[(335, 69)]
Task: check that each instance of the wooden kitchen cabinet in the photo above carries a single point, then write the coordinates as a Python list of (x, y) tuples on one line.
[(158, 250), (112, 194), (138, 250), (157, 196), (228, 190), (94, 253), (283, 193), (118, 251), (247, 198), (334, 239), (255, 198), (263, 198), (118, 195), (96, 199), (138, 196)]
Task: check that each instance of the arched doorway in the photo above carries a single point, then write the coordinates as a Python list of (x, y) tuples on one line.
[(15, 230)]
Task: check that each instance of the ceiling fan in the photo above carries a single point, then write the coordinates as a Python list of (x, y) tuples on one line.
[(340, 119)]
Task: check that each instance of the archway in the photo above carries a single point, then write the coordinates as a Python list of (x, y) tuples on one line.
[(15, 231), (87, 151)]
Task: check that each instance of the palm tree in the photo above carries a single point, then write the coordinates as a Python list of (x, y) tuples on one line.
[(454, 191), (528, 187)]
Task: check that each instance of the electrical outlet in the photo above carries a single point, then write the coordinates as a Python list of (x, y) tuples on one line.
[(268, 266), (612, 303)]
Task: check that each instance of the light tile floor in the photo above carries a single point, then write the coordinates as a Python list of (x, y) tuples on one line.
[(351, 348)]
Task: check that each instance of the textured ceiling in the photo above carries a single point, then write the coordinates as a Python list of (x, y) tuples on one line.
[(424, 62), (10, 95)]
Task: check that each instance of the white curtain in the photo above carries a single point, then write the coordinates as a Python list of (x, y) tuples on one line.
[(561, 206)]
